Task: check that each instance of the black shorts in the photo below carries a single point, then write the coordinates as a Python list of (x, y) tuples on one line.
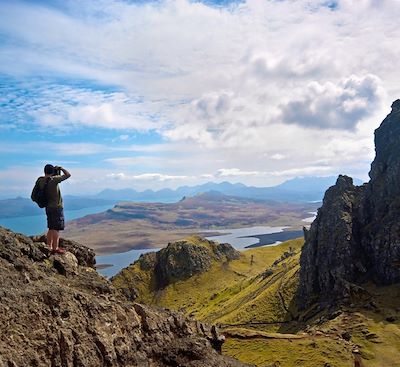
[(55, 218)]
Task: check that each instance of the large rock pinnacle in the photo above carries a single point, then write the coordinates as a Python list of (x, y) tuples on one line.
[(356, 235)]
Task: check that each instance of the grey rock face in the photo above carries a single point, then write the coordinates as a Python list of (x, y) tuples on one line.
[(181, 260), (56, 312), (356, 234)]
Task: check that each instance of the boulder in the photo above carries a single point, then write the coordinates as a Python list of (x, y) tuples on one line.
[(66, 264), (85, 255)]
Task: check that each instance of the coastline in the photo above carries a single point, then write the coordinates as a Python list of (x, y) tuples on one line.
[(272, 238)]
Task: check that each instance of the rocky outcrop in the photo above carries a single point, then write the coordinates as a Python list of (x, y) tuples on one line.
[(54, 311), (355, 237), (85, 255), (182, 259)]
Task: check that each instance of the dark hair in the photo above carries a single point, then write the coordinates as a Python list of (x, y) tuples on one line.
[(48, 169)]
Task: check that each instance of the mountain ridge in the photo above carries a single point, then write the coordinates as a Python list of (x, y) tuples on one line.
[(306, 189), (296, 189)]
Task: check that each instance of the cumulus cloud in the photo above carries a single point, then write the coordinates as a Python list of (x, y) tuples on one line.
[(217, 70), (334, 106), (261, 86)]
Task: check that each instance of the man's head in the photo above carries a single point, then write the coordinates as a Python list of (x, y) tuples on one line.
[(48, 169)]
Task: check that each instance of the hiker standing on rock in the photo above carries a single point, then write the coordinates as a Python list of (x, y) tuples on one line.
[(46, 193)]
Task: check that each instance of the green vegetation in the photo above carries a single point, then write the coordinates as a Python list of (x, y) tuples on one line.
[(231, 292), (252, 301), (310, 352)]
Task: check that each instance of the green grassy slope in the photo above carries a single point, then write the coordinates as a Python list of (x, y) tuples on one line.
[(252, 300), (230, 292)]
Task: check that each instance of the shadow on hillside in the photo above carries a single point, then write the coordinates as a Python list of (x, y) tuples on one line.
[(382, 307), (296, 320), (291, 318)]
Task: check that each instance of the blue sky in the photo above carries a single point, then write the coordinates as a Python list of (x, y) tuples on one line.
[(152, 94)]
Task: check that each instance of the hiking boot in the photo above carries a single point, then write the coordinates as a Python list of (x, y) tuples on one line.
[(58, 250)]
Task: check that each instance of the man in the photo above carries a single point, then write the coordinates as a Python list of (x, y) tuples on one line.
[(54, 208)]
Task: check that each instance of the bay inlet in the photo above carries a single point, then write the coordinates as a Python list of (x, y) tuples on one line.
[(240, 238)]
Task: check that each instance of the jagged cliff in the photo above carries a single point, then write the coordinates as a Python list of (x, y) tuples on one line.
[(58, 311), (355, 237)]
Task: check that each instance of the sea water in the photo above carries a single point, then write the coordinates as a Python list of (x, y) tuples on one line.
[(37, 224), (240, 238), (119, 261), (237, 237), (232, 236)]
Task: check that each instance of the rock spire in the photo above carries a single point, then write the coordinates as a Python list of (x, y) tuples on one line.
[(355, 237)]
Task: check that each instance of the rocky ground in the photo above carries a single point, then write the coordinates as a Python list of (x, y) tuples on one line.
[(58, 311)]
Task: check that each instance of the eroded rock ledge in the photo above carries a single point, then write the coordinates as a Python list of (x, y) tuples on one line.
[(356, 235), (58, 311)]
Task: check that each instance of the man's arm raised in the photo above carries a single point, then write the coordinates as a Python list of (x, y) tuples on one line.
[(66, 173), (63, 177)]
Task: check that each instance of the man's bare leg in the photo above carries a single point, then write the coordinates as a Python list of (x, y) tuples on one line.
[(50, 239), (56, 239)]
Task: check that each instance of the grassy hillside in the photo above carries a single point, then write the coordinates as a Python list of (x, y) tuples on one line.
[(252, 300), (231, 292)]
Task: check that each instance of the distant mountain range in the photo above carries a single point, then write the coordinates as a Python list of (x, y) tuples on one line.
[(306, 189)]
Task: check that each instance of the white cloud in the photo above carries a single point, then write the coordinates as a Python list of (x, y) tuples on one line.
[(146, 177), (117, 176), (62, 107), (278, 156), (264, 86), (335, 106), (305, 171), (236, 172)]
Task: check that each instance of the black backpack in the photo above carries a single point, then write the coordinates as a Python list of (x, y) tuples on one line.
[(39, 195)]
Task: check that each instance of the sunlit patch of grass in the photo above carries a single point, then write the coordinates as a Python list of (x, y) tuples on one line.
[(289, 353)]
